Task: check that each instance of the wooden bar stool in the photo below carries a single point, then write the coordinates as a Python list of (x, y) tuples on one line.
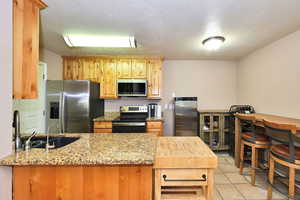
[(254, 140), (285, 150)]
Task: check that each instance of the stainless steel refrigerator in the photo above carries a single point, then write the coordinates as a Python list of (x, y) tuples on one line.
[(72, 106), (186, 117)]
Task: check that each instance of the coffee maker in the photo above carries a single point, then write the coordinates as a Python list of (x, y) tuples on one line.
[(154, 110)]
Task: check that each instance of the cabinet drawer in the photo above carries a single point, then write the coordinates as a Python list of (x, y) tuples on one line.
[(183, 177), (154, 125), (103, 125), (103, 130), (154, 131)]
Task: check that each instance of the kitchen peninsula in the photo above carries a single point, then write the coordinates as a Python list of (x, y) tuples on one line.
[(115, 166), (97, 166)]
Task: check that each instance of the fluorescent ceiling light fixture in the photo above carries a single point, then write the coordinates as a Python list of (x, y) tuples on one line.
[(213, 43), (99, 41)]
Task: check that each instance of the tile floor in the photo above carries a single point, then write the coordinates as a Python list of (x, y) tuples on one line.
[(230, 185)]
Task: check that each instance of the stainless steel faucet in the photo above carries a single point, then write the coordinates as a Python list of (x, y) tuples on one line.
[(28, 141), (16, 125)]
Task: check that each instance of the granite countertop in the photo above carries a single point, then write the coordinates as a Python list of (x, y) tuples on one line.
[(109, 116), (92, 149)]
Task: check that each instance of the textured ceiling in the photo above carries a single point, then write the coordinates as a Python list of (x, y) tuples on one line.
[(170, 28)]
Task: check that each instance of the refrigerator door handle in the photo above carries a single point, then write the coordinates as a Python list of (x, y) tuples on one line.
[(63, 113), (60, 111)]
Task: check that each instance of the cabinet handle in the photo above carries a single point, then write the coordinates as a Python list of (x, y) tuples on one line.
[(202, 179)]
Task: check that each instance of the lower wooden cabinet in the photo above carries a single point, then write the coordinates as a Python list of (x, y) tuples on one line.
[(118, 182), (155, 127), (103, 127)]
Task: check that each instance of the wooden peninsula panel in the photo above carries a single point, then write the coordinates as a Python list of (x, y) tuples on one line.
[(130, 182)]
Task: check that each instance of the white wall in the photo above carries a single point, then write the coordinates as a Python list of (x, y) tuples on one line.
[(269, 78), (54, 64), (213, 82), (6, 95)]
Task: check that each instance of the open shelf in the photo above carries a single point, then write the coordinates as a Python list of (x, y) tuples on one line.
[(181, 196)]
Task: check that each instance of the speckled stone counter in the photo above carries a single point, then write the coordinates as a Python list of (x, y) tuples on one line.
[(109, 116), (92, 149)]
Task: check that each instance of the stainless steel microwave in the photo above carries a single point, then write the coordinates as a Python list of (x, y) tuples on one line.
[(132, 87)]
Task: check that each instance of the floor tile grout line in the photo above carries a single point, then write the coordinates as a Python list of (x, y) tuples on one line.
[(218, 193), (248, 182), (239, 191)]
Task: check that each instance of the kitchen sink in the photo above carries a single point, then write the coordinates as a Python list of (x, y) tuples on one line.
[(54, 141)]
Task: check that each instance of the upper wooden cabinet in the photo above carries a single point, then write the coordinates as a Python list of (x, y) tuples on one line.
[(25, 47), (154, 78), (106, 71), (109, 82), (139, 68), (124, 68)]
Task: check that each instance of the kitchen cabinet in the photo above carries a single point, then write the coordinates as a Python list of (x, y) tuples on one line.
[(154, 78), (72, 70), (139, 69), (214, 128), (91, 69), (109, 76), (77, 182), (103, 127), (26, 47), (106, 70), (155, 127), (124, 68)]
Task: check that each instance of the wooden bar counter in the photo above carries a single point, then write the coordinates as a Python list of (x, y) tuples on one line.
[(259, 122)]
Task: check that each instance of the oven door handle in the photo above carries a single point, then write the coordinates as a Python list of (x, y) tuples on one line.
[(129, 124)]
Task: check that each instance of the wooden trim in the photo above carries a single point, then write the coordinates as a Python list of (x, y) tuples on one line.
[(40, 4), (115, 57)]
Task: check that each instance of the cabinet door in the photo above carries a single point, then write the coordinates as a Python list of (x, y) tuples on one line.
[(25, 47), (139, 68), (73, 69), (109, 79), (154, 78), (124, 68), (99, 74)]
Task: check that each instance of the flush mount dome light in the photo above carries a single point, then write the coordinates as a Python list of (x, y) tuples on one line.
[(99, 41), (213, 43)]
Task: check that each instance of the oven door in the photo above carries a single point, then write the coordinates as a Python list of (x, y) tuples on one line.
[(132, 88), (129, 127)]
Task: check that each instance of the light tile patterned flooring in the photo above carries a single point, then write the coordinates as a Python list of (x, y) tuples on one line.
[(230, 185)]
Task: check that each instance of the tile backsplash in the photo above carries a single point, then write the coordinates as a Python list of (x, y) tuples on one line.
[(114, 105)]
